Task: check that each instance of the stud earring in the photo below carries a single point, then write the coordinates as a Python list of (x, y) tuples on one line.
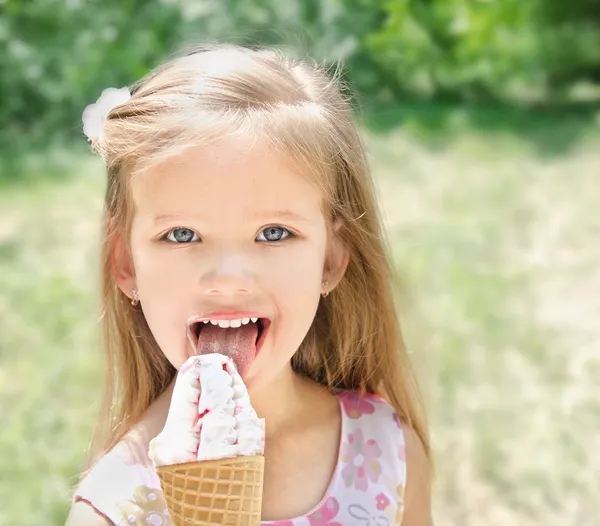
[(326, 293), (135, 299)]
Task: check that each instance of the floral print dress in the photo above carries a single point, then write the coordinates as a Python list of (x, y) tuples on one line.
[(367, 487)]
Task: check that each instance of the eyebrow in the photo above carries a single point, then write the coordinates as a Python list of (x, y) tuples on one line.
[(282, 214), (279, 214), (161, 218)]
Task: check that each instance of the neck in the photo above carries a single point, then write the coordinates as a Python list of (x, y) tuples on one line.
[(282, 400)]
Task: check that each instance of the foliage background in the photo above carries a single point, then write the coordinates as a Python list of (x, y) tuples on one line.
[(59, 53), (482, 121)]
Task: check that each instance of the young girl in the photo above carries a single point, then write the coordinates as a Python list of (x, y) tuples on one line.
[(238, 188)]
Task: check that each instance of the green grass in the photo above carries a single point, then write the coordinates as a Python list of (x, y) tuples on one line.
[(496, 233)]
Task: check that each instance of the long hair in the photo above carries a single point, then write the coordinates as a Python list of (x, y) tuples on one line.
[(355, 341)]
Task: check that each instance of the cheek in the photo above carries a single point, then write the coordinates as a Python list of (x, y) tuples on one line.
[(154, 266), (297, 270), (295, 285), (161, 291)]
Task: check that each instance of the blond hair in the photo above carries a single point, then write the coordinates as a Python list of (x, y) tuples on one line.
[(355, 341)]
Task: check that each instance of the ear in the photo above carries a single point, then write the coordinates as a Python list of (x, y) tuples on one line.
[(337, 258), (122, 267)]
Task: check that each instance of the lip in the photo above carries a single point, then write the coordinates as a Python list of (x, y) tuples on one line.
[(231, 315)]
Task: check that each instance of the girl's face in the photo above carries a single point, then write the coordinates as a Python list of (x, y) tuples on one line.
[(225, 229)]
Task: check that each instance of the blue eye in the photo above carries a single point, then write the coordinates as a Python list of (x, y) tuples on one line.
[(273, 234), (181, 235)]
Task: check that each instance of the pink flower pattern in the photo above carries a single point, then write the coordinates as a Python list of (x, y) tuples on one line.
[(324, 515), (356, 406), (402, 452), (382, 501), (360, 459)]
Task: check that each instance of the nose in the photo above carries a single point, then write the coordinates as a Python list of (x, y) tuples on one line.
[(229, 276)]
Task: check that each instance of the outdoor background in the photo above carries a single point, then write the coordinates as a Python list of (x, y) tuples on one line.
[(482, 119)]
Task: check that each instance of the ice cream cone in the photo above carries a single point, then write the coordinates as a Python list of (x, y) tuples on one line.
[(227, 491)]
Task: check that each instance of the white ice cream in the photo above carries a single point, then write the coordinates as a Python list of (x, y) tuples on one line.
[(210, 416)]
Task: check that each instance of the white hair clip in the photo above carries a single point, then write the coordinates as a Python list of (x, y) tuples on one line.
[(95, 115)]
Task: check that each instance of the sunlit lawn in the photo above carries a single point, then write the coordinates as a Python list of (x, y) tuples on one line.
[(497, 236)]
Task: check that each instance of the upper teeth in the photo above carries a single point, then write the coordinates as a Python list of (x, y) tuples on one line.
[(231, 323)]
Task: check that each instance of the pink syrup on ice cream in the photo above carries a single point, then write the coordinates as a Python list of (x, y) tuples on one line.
[(210, 415)]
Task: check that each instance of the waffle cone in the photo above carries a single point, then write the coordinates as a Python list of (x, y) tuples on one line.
[(226, 491)]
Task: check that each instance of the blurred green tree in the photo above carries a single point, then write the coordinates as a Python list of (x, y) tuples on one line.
[(57, 55)]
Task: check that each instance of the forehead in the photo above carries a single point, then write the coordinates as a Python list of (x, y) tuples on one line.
[(232, 177)]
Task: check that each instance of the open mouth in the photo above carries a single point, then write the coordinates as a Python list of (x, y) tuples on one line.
[(262, 324)]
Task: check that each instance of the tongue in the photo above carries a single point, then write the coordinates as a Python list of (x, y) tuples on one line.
[(239, 344)]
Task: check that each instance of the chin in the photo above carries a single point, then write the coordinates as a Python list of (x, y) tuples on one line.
[(262, 376), (251, 376)]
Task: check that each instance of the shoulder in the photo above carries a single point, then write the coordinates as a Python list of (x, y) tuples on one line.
[(417, 495), (358, 405), (365, 410), (121, 483), (400, 449), (369, 420), (84, 514)]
